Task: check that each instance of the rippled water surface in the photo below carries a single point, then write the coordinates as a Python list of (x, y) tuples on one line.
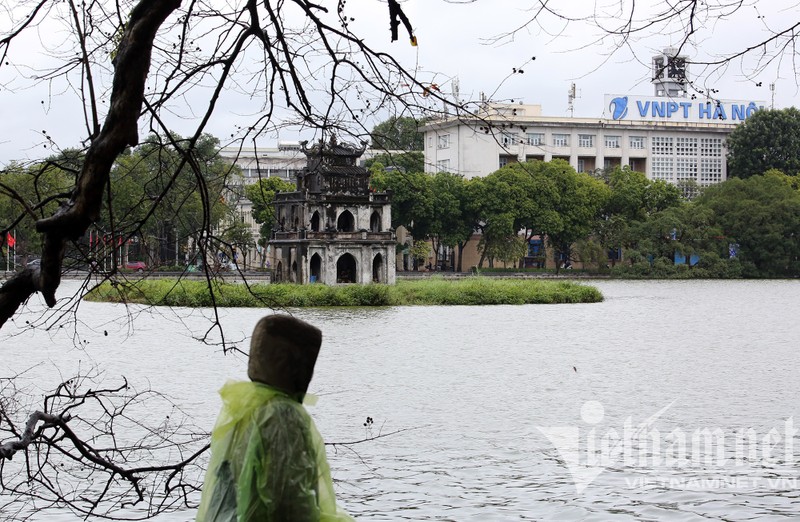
[(478, 389)]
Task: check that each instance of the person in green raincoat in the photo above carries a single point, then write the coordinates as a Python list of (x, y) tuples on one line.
[(268, 460)]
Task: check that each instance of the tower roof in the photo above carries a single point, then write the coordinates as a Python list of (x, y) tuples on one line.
[(333, 149)]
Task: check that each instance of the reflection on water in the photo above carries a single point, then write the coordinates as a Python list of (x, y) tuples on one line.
[(482, 386)]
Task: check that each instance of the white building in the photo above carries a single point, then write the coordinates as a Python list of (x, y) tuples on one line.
[(660, 147), (670, 136)]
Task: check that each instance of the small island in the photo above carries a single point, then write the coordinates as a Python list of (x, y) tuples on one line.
[(434, 291)]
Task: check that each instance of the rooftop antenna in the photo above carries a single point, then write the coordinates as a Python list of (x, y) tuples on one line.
[(571, 95), (455, 93)]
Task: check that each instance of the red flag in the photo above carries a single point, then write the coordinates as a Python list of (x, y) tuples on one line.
[(11, 240)]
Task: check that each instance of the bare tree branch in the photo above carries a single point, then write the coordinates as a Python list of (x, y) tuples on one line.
[(91, 450)]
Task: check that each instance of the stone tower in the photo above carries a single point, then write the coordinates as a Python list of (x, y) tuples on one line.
[(333, 228)]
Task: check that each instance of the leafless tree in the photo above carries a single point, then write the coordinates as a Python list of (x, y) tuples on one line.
[(97, 450)]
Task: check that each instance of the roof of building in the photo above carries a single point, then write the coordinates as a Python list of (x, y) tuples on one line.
[(333, 148)]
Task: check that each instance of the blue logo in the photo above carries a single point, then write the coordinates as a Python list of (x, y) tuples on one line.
[(619, 107)]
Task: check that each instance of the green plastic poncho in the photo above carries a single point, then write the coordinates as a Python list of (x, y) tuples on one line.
[(267, 461)]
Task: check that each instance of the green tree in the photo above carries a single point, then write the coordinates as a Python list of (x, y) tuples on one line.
[(435, 207), (262, 195), (686, 229), (419, 252), (412, 198), (397, 133), (162, 203), (538, 213), (633, 198), (503, 204), (413, 161), (581, 200), (453, 221), (28, 193), (762, 215), (501, 241), (236, 238), (769, 139), (548, 199)]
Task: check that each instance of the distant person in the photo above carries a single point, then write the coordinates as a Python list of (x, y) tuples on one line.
[(268, 460)]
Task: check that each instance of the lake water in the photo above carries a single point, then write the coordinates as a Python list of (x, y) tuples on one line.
[(669, 400)]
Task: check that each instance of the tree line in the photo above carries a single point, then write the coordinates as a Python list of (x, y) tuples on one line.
[(157, 209), (611, 221), (739, 228)]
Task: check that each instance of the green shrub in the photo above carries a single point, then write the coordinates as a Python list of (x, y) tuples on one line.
[(434, 291), (710, 266)]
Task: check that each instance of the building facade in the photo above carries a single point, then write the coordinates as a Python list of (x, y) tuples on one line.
[(665, 149)]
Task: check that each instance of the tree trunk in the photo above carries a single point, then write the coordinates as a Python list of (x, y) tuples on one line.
[(120, 130)]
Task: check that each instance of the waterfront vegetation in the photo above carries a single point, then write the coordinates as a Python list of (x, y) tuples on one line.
[(433, 291)]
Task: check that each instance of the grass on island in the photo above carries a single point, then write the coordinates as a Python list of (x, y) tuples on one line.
[(470, 291)]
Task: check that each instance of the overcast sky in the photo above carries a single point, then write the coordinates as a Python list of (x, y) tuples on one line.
[(456, 42)]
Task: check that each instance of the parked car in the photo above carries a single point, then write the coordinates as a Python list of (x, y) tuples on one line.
[(34, 264), (139, 266)]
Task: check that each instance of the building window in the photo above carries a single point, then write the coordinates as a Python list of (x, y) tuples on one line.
[(581, 165), (505, 159), (507, 139), (711, 147), (686, 169), (251, 174), (637, 164), (612, 142), (535, 138), (561, 140), (710, 171), (443, 141), (663, 146), (662, 168), (663, 162), (637, 142), (443, 165), (711, 159), (585, 140), (686, 146)]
